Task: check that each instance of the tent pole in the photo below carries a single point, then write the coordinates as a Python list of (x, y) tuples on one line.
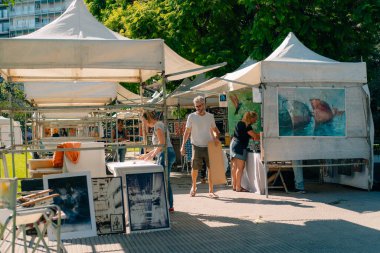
[(165, 111), (263, 138), (11, 128)]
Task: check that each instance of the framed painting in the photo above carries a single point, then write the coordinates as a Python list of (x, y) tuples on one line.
[(109, 205), (304, 111), (146, 201), (76, 202)]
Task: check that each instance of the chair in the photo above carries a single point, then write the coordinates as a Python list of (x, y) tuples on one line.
[(16, 220)]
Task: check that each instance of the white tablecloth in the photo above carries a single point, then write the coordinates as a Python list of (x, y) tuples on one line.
[(133, 166), (253, 178)]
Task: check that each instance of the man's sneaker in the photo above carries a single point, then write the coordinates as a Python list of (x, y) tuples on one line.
[(171, 210), (300, 191)]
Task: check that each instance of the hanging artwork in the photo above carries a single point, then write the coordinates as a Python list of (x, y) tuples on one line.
[(76, 202), (239, 102), (146, 199), (311, 112), (109, 205)]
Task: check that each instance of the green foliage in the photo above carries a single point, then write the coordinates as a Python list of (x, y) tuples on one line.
[(205, 32), (344, 30), (213, 31), (12, 96), (180, 113)]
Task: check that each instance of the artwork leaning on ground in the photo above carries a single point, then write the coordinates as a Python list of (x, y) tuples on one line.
[(147, 204), (239, 102), (76, 202), (311, 111), (109, 205)]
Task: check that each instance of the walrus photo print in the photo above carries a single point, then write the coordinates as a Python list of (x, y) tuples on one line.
[(311, 111)]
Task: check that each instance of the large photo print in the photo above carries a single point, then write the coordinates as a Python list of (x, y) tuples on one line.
[(76, 202), (109, 205), (311, 112), (147, 205)]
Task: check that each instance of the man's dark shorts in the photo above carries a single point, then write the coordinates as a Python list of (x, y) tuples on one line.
[(199, 153)]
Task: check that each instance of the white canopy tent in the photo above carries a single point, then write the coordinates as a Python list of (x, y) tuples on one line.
[(125, 96), (69, 93), (5, 132), (78, 93), (76, 46), (293, 66), (183, 95), (64, 95)]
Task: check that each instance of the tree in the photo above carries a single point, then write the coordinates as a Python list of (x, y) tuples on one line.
[(12, 97), (205, 32), (344, 30)]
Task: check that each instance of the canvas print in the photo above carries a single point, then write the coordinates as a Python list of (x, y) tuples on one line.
[(311, 112), (171, 127), (147, 204), (239, 102), (76, 201), (109, 205)]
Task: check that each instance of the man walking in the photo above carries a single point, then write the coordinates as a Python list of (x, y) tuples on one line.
[(202, 128)]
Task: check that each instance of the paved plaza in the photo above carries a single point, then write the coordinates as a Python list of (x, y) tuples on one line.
[(329, 218)]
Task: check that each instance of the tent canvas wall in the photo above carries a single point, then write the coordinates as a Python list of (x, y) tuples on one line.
[(295, 68), (5, 132)]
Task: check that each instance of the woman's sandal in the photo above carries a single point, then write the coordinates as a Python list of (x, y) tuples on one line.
[(242, 190), (193, 192), (213, 195)]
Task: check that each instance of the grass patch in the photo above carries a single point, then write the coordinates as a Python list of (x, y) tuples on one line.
[(20, 165)]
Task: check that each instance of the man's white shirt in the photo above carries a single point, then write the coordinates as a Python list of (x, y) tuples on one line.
[(200, 128)]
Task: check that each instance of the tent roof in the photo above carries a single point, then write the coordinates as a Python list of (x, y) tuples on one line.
[(183, 95), (291, 62), (77, 47), (78, 93), (69, 93), (125, 96)]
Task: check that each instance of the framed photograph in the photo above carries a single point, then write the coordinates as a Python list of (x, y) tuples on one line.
[(223, 100), (109, 205), (146, 201), (76, 201)]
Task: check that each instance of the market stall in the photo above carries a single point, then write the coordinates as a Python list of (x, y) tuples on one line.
[(312, 108)]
